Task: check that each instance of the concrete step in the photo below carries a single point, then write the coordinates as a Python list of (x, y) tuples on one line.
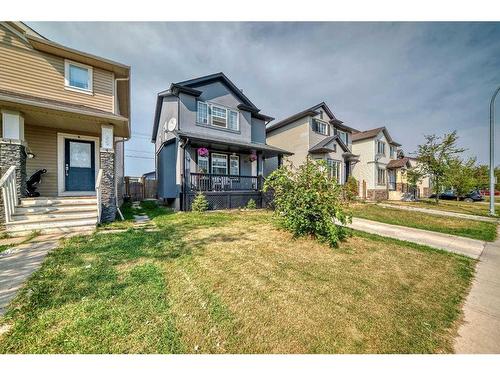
[(64, 209), (57, 230), (53, 223), (51, 217), (57, 201)]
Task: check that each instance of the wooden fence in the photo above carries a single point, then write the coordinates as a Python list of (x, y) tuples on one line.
[(139, 188)]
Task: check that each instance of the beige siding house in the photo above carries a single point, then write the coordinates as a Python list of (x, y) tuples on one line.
[(66, 113), (318, 134)]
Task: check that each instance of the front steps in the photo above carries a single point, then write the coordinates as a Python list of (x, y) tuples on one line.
[(53, 215)]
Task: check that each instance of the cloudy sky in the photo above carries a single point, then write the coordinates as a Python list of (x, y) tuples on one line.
[(413, 78)]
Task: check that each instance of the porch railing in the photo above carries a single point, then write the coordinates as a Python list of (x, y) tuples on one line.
[(9, 192), (223, 182), (98, 194)]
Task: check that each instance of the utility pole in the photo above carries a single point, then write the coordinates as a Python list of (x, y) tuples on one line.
[(492, 152)]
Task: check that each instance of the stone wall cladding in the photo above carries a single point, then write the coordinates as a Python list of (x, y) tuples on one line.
[(377, 194), (12, 153), (108, 197)]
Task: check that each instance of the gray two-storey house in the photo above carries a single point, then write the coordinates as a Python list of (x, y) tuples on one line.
[(210, 137)]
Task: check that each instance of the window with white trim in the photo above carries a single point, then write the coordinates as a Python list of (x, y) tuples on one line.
[(380, 176), (218, 116), (202, 113), (219, 163), (380, 147), (202, 164), (334, 169), (234, 165), (343, 136), (393, 150), (320, 126), (77, 76)]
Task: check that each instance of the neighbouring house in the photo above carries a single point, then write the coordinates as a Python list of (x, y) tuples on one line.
[(149, 175), (375, 174), (64, 112), (318, 134), (398, 185), (424, 186), (210, 137)]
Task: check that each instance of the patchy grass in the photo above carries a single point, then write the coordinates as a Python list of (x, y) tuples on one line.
[(5, 247), (475, 208), (150, 208), (485, 231), (230, 282)]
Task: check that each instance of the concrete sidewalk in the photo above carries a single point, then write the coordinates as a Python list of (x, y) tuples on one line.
[(480, 331), (432, 211), (455, 244)]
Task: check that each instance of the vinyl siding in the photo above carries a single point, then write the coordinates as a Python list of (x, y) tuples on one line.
[(28, 71), (42, 142), (293, 137)]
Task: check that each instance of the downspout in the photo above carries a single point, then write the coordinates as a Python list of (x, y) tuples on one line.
[(122, 140)]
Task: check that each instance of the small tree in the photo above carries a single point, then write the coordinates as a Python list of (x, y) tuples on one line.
[(434, 158), (461, 176), (351, 188), (251, 205), (308, 202), (200, 203)]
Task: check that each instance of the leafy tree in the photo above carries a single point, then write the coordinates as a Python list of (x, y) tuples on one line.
[(461, 176), (351, 188), (308, 202), (435, 156), (200, 203), (414, 176)]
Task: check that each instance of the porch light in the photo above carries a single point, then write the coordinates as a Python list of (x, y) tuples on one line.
[(30, 155)]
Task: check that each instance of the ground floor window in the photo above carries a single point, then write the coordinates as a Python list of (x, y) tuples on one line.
[(391, 174), (202, 164), (334, 169), (380, 176), (234, 165), (219, 163)]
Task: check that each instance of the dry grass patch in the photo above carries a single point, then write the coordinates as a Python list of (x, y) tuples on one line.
[(470, 208), (233, 283)]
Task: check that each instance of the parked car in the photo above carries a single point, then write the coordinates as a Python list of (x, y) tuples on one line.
[(473, 196), (487, 192)]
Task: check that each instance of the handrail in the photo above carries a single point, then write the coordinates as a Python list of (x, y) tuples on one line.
[(98, 195), (9, 192)]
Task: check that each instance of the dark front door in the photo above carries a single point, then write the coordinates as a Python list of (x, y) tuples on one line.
[(79, 165)]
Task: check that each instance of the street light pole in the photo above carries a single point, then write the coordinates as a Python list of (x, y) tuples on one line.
[(492, 152)]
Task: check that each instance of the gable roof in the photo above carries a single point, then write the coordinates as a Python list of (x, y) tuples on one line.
[(312, 111), (322, 146), (366, 134), (189, 87)]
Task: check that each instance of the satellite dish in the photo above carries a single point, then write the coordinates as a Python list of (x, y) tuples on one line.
[(172, 124)]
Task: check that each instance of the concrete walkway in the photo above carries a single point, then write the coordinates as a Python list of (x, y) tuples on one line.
[(455, 244), (480, 331), (19, 262), (432, 211)]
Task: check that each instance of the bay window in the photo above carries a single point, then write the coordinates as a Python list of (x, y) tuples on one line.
[(320, 126)]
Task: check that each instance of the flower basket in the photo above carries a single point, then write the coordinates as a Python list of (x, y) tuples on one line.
[(202, 151), (252, 157)]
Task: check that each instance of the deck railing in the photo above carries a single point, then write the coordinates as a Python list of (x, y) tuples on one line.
[(98, 194), (9, 192), (223, 182)]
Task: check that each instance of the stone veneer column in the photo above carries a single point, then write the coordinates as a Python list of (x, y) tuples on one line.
[(12, 152), (108, 194)]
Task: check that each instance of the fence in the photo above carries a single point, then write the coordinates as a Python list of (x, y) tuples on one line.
[(139, 188)]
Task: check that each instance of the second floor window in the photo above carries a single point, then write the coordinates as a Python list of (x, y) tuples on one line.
[(393, 152), (218, 116), (380, 148), (343, 136), (77, 76), (320, 126)]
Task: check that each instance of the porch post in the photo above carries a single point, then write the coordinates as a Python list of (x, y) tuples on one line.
[(13, 152), (107, 164)]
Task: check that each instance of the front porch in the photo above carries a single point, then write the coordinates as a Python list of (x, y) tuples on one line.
[(73, 155)]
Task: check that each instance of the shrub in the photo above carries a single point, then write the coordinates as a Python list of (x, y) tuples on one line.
[(251, 205), (200, 203), (308, 202), (351, 188)]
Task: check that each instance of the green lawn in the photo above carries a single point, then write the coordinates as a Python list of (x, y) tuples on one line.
[(230, 282), (474, 208), (460, 227)]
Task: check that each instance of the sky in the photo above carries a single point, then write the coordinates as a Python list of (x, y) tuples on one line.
[(414, 78)]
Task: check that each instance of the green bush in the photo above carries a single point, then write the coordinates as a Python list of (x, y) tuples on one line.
[(200, 203), (351, 188), (308, 202), (251, 205)]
